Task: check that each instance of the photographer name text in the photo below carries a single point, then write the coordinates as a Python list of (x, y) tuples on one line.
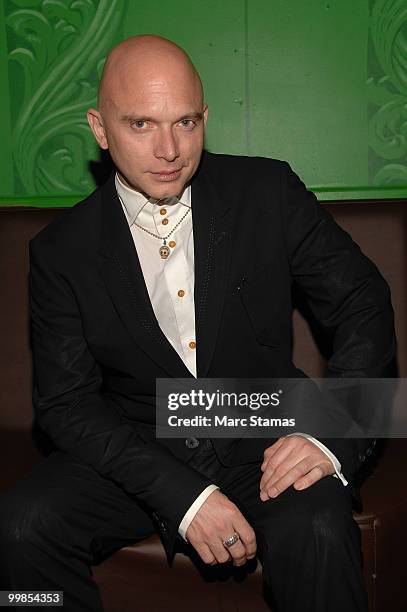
[(225, 421)]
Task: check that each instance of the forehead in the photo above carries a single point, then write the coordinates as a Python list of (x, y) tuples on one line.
[(160, 84)]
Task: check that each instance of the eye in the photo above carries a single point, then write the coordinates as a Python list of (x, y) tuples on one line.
[(187, 123), (139, 123)]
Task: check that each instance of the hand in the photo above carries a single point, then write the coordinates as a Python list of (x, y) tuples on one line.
[(294, 461), (216, 520)]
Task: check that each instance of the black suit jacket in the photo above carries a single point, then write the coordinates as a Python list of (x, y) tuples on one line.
[(98, 349)]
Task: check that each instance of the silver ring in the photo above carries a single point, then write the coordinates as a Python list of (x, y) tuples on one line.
[(232, 540)]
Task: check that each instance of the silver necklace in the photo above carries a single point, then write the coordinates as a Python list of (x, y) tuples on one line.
[(164, 250)]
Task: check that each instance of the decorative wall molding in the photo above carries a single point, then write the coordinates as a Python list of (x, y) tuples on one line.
[(387, 92), (56, 53)]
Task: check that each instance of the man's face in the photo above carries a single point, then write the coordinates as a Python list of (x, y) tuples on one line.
[(154, 129)]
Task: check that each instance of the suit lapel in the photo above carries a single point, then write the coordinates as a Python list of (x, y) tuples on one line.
[(125, 284), (212, 240)]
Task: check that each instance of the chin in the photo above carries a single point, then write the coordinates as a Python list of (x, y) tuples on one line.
[(167, 191), (158, 194)]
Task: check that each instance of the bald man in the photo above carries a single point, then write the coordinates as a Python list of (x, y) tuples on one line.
[(180, 266)]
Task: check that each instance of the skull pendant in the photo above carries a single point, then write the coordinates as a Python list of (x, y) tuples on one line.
[(164, 251)]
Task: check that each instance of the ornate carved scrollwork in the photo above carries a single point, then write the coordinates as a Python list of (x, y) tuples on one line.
[(57, 52), (387, 91)]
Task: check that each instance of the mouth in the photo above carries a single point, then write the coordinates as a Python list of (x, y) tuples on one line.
[(167, 176)]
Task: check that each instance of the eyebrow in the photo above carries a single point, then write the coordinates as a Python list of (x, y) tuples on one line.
[(129, 118)]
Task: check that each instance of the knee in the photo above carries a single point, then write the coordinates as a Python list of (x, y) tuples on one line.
[(324, 526), (332, 527)]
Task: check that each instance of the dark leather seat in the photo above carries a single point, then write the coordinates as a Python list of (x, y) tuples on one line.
[(138, 577)]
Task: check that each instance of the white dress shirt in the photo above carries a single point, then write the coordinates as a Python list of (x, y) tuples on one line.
[(170, 286)]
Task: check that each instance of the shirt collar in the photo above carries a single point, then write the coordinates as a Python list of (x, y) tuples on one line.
[(133, 201)]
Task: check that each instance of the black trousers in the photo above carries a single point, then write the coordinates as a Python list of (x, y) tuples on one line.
[(63, 518)]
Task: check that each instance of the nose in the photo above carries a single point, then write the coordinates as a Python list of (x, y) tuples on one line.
[(166, 145)]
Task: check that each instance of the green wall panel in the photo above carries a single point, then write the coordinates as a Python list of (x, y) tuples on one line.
[(322, 84), (308, 92)]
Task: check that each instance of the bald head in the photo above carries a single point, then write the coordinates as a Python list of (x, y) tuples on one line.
[(146, 58), (151, 115)]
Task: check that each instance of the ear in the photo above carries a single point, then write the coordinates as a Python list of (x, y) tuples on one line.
[(205, 114), (96, 125)]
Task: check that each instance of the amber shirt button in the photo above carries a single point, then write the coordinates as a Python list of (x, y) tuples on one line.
[(181, 293), (163, 211), (172, 243), (192, 344), (164, 221)]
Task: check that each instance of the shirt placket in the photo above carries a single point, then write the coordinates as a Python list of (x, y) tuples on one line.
[(179, 282)]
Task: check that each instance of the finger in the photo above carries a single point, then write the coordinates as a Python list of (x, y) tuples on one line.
[(205, 553), (312, 457), (247, 537), (272, 464), (296, 473), (282, 461), (219, 551), (292, 452), (309, 479), (270, 451), (285, 477), (274, 473), (237, 552)]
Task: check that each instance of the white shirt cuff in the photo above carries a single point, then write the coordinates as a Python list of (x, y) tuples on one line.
[(335, 462), (193, 509)]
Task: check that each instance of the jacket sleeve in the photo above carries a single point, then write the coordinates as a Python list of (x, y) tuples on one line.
[(71, 407), (348, 297)]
